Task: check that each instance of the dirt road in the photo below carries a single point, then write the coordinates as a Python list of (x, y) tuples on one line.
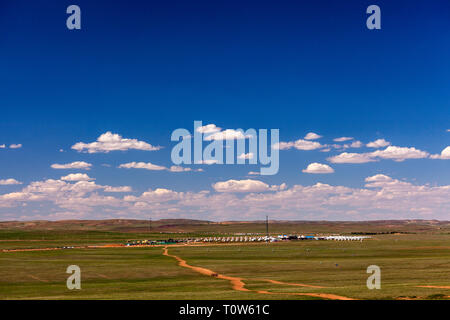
[(239, 285)]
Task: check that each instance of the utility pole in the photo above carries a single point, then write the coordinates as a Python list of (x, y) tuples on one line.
[(267, 225)]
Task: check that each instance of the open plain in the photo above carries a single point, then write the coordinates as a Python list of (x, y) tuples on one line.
[(414, 258)]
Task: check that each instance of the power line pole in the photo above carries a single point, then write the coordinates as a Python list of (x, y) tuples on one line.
[(267, 225)]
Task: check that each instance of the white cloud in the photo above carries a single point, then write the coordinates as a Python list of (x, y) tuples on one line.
[(391, 152), (382, 198), (209, 128), (72, 165), (312, 136), (445, 154), (183, 169), (155, 167), (158, 195), (246, 156), (254, 173), (111, 142), (207, 161), (346, 157), (283, 145), (15, 146), (356, 144), (213, 132), (379, 143), (4, 182), (318, 168), (247, 185), (2, 146), (117, 189), (400, 153), (342, 139), (142, 165), (378, 178), (300, 144), (77, 177), (307, 145), (79, 198), (228, 134)]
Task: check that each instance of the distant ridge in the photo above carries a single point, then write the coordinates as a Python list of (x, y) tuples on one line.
[(204, 226)]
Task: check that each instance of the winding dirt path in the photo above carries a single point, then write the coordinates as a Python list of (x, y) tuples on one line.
[(239, 285), (291, 284), (236, 283), (318, 295)]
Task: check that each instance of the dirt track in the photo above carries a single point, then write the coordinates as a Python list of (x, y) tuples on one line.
[(239, 285), (236, 283), (292, 284)]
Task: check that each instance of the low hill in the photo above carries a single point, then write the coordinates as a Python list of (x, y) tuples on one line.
[(189, 226)]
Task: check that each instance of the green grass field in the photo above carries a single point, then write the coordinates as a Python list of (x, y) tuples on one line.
[(406, 261)]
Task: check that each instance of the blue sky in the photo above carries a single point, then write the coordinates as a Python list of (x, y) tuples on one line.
[(142, 70)]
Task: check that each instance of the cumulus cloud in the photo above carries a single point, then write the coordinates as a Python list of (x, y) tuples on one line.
[(77, 177), (213, 132), (158, 195), (382, 197), (342, 139), (209, 128), (142, 165), (4, 182), (78, 197), (15, 146), (228, 134), (254, 173), (445, 154), (379, 143), (155, 167), (117, 189), (318, 168), (111, 142), (378, 178), (300, 144), (72, 165), (183, 169), (247, 185), (2, 146), (347, 157), (400, 153), (391, 152), (207, 161), (312, 136), (356, 144)]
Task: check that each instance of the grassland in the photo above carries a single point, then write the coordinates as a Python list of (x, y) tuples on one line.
[(420, 257)]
